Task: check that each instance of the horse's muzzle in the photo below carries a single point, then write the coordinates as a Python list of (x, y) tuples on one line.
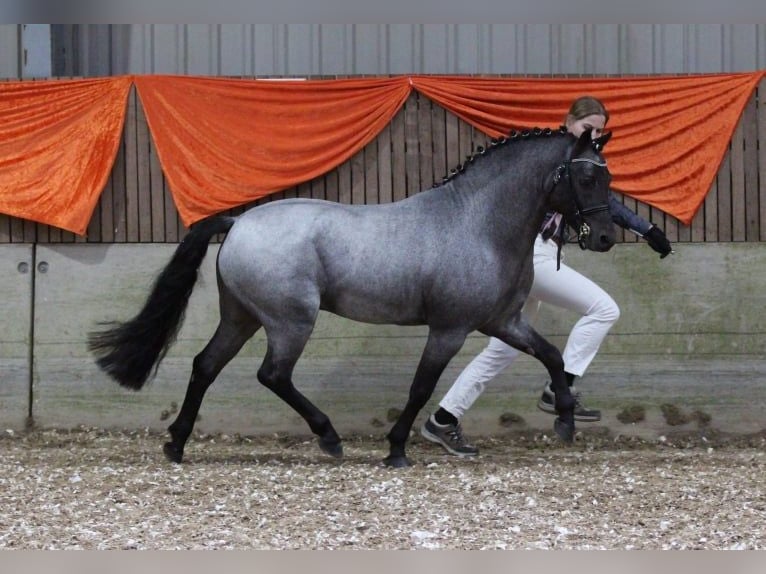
[(595, 241)]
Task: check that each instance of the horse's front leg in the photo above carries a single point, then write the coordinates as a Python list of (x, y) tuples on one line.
[(519, 333), (442, 345)]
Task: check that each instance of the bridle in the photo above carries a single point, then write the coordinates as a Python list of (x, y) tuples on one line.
[(562, 172)]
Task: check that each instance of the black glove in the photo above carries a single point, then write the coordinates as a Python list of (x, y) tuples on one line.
[(657, 241)]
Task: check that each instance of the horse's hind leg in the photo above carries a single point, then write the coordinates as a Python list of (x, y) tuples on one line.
[(521, 335), (225, 344), (285, 346), (440, 348)]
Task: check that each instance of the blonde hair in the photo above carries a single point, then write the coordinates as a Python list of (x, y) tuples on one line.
[(585, 106)]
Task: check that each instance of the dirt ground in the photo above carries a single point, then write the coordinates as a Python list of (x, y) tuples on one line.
[(95, 489)]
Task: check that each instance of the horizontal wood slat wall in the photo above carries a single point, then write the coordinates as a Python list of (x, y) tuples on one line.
[(419, 147)]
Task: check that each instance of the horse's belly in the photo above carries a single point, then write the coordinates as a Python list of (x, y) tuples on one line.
[(374, 308)]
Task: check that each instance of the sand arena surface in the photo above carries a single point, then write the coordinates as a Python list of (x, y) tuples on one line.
[(97, 489)]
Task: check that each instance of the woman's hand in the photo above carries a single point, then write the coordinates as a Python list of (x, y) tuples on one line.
[(656, 239)]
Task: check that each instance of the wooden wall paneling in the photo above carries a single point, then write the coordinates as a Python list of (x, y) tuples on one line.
[(697, 227), (304, 189), (750, 166), (623, 235), (669, 223), (172, 217), (465, 137), (344, 182), (738, 184), (426, 144), (106, 208), (52, 233), (439, 142), (146, 204), (358, 169), (724, 199), (17, 230), (43, 231), (479, 138), (331, 185), (281, 194), (289, 192), (162, 218), (370, 179), (318, 188), (452, 142), (132, 213), (93, 231), (411, 145), (118, 208), (385, 167), (29, 231), (710, 210), (398, 163), (684, 231), (67, 236), (5, 228), (643, 210), (182, 229)]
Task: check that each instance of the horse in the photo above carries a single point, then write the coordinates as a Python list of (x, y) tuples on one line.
[(456, 257)]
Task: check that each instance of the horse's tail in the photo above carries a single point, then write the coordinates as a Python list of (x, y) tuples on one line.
[(130, 351)]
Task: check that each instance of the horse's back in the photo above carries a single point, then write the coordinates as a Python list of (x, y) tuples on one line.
[(312, 253), (392, 263), (290, 223)]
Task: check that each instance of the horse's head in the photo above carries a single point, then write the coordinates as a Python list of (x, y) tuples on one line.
[(581, 193)]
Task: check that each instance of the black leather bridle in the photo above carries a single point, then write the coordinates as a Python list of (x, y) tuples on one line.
[(582, 227), (562, 172)]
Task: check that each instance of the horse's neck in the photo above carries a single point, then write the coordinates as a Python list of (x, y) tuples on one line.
[(513, 201)]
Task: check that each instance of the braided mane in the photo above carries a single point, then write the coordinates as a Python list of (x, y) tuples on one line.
[(495, 143)]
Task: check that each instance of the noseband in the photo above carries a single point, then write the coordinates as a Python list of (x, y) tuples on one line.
[(562, 172)]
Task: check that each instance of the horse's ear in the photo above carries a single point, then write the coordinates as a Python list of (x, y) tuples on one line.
[(600, 142), (583, 143)]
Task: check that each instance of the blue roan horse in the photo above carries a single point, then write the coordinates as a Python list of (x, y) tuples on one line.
[(457, 258)]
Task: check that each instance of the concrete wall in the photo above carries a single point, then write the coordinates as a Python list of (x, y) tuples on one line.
[(16, 276), (692, 333)]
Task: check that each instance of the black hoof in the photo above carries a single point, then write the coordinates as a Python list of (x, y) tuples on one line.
[(397, 462), (334, 449), (564, 431), (172, 453)]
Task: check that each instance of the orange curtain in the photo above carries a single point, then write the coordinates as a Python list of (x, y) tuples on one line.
[(670, 133), (223, 142), (58, 141)]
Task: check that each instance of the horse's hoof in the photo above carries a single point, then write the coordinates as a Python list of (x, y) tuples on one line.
[(564, 431), (172, 453), (334, 449), (397, 461)]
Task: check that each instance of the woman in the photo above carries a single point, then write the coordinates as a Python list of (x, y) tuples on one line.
[(565, 288)]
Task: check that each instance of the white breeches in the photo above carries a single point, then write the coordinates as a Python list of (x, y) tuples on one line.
[(565, 288)]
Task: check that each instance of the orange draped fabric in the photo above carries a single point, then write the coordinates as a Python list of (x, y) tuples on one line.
[(223, 142), (670, 133), (58, 141)]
